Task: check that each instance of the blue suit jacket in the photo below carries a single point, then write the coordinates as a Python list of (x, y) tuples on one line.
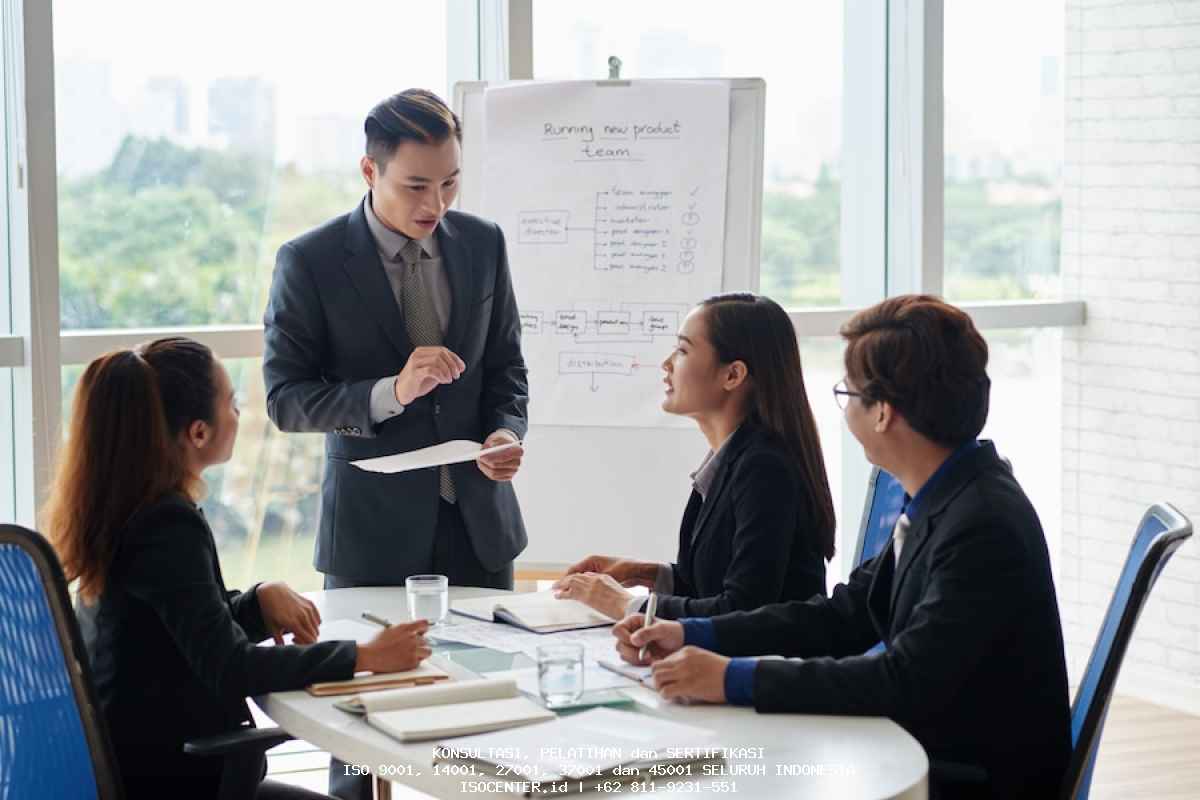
[(332, 329)]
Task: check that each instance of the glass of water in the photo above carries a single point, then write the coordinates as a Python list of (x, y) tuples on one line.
[(560, 673), (428, 598)]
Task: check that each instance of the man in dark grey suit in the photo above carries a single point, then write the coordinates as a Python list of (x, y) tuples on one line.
[(392, 328)]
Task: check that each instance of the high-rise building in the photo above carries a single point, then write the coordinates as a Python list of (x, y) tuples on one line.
[(241, 113), (89, 121), (162, 109)]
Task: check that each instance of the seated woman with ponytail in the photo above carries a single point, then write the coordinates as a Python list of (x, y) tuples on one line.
[(759, 524), (173, 652)]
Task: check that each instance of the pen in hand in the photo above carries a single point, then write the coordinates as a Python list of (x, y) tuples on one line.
[(369, 617), (647, 622)]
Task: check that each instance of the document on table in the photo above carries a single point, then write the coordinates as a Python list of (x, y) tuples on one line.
[(452, 452), (597, 642), (594, 679)]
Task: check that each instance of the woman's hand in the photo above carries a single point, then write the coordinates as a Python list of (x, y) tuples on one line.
[(624, 571), (397, 648), (285, 611), (597, 591)]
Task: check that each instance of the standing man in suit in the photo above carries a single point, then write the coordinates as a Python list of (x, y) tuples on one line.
[(391, 328), (962, 597)]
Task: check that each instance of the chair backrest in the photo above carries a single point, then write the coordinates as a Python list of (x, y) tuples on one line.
[(53, 743), (885, 499), (1162, 530)]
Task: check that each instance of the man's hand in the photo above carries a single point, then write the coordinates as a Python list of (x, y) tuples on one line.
[(501, 466), (594, 590), (397, 648), (285, 611), (625, 571), (660, 639), (427, 367), (691, 674)]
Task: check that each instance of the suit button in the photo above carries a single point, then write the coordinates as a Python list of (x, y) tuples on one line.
[(437, 409)]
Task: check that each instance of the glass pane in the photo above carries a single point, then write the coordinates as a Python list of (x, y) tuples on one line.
[(1004, 138), (799, 54), (1025, 418), (186, 157), (821, 359), (262, 505)]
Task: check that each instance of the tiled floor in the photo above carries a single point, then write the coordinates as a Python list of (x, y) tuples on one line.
[(1148, 751)]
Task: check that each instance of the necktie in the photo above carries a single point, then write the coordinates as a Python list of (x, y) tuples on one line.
[(421, 321), (899, 534)]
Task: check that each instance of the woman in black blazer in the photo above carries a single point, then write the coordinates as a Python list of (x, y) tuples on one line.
[(173, 652), (759, 524)]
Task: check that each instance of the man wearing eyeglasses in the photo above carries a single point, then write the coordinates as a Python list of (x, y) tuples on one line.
[(962, 596), (389, 329)]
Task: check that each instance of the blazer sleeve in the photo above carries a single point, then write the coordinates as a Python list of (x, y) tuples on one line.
[(248, 614), (504, 398), (766, 510), (968, 603), (838, 625), (171, 570), (300, 397)]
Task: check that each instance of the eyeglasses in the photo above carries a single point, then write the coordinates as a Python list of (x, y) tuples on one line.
[(842, 394)]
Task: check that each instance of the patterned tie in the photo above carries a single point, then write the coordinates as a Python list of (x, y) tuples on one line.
[(423, 328), (899, 534)]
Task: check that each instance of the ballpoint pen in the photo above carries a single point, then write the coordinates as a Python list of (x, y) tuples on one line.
[(369, 617), (647, 622)]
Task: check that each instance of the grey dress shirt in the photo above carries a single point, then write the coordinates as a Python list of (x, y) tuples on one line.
[(432, 274)]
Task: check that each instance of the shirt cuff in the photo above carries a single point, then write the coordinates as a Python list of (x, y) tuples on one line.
[(700, 632), (664, 580), (739, 681), (384, 404)]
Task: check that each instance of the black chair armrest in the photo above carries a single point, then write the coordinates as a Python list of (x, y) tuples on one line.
[(241, 741)]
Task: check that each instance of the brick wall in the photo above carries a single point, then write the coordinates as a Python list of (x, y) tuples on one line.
[(1131, 376)]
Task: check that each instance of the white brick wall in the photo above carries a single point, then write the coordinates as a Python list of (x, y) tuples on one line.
[(1131, 376)]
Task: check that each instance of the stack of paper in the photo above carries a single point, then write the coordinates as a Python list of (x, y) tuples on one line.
[(451, 709)]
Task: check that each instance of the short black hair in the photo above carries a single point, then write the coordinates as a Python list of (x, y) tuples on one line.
[(414, 115), (926, 358)]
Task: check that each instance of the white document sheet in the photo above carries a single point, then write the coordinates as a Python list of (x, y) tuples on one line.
[(338, 630), (597, 642), (594, 679), (612, 203), (452, 452)]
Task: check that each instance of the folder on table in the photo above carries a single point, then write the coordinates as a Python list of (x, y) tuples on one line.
[(538, 612)]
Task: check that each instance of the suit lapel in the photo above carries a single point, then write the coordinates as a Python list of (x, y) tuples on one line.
[(366, 272), (734, 449), (456, 261), (947, 488)]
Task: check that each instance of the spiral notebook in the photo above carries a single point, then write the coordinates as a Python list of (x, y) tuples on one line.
[(538, 612)]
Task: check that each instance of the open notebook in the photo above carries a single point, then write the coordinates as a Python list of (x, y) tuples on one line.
[(539, 612), (450, 709)]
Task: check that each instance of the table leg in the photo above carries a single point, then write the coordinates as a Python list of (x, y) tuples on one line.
[(382, 789)]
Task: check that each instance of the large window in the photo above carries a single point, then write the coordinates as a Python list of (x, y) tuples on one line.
[(795, 47), (1004, 137), (196, 141)]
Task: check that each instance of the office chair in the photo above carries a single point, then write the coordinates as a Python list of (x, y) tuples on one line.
[(53, 739), (885, 499), (1160, 533)]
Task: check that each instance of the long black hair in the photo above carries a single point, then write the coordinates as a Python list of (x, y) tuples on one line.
[(756, 331)]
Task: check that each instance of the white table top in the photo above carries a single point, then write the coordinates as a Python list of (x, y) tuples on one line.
[(826, 756)]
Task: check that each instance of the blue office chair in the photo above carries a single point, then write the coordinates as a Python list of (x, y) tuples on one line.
[(53, 743), (885, 499), (53, 739), (1161, 532)]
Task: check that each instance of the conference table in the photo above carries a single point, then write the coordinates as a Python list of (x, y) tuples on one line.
[(766, 755)]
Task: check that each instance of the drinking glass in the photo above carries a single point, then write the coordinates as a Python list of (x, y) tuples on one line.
[(560, 673), (428, 598)]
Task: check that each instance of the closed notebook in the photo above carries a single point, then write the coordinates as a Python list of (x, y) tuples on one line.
[(423, 675), (539, 612), (451, 709)]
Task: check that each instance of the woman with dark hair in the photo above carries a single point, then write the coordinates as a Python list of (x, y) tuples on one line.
[(759, 524), (173, 652)]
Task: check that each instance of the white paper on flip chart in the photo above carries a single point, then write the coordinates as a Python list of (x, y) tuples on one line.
[(452, 452), (612, 201)]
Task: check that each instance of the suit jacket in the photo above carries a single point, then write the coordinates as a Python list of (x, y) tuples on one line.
[(752, 541), (173, 652), (333, 329), (974, 666)]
